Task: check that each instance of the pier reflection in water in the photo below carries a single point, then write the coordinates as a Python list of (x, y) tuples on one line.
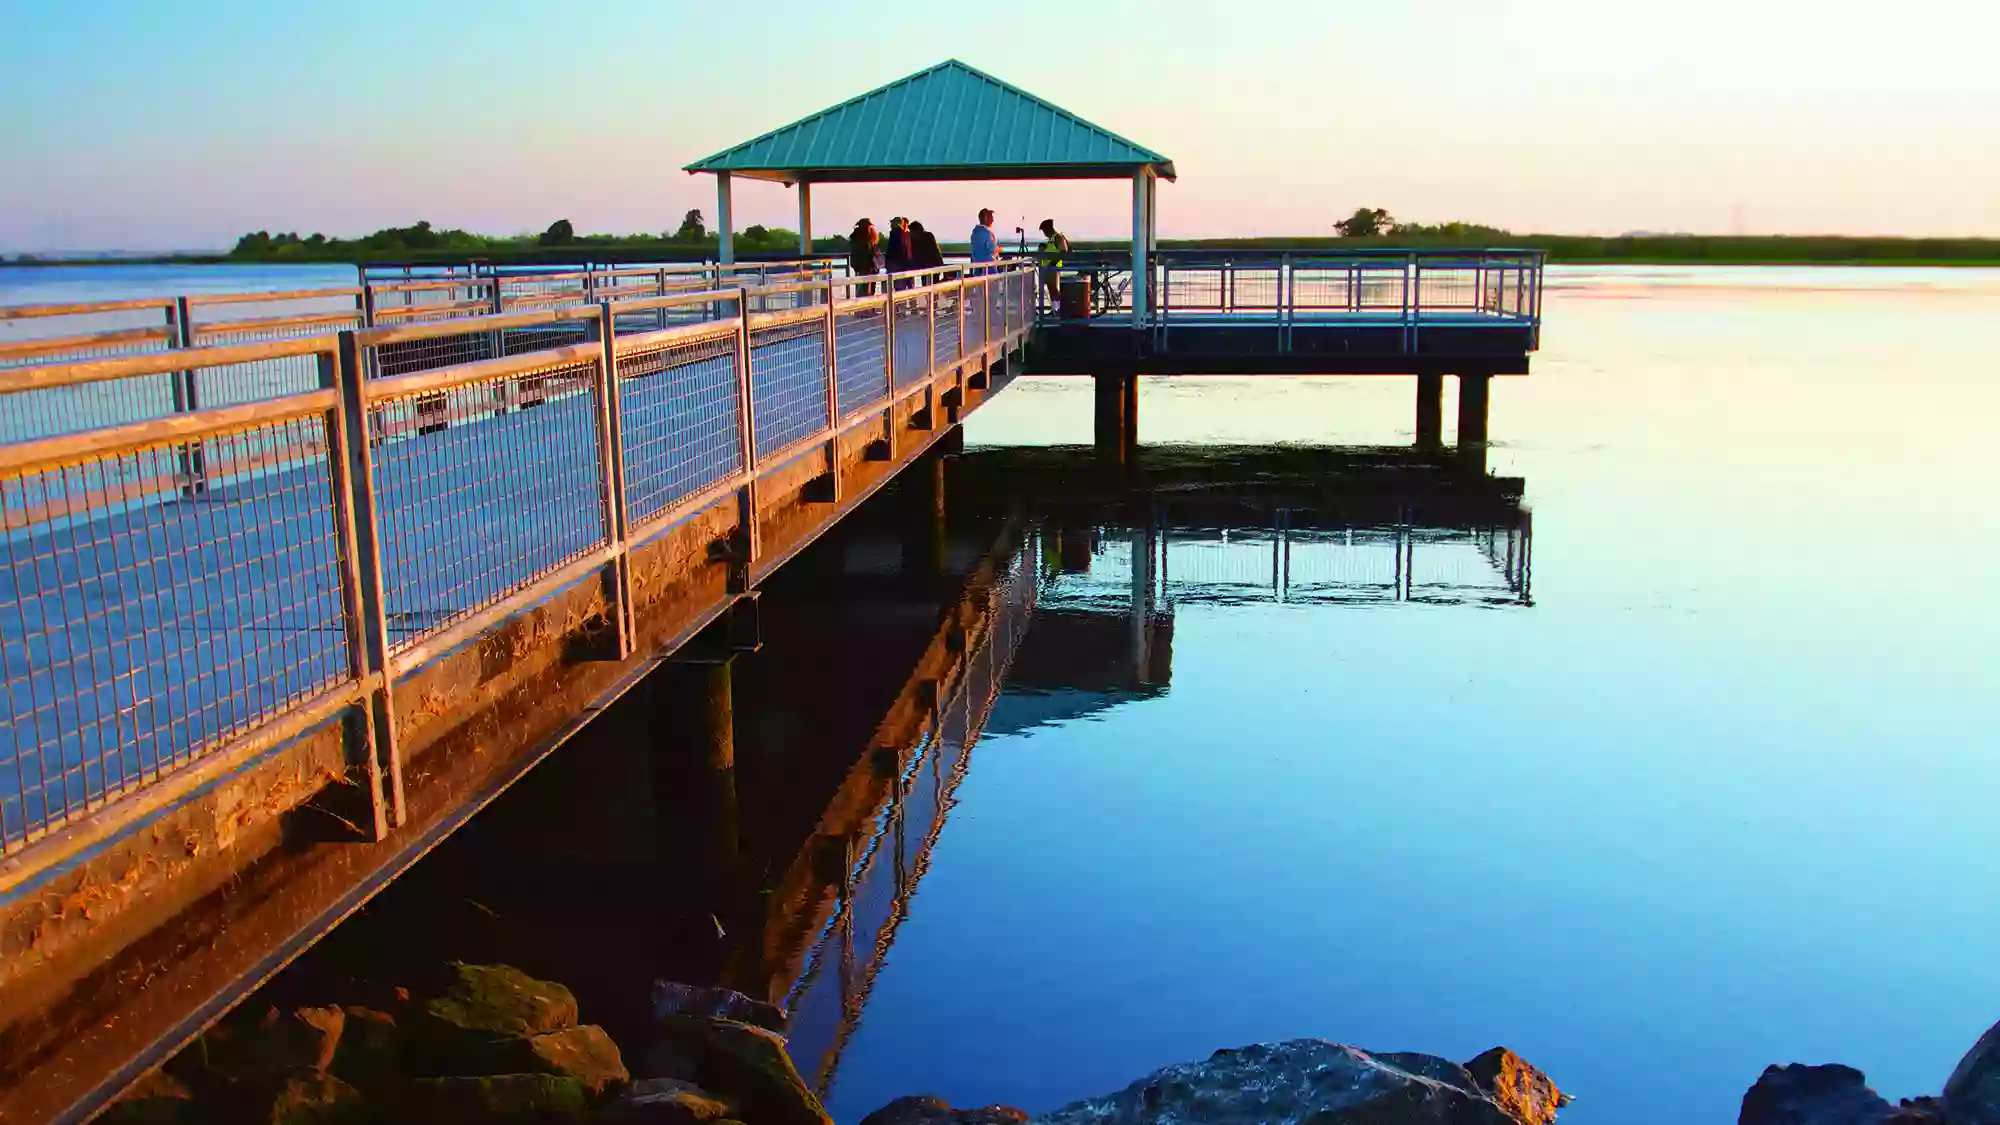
[(762, 815)]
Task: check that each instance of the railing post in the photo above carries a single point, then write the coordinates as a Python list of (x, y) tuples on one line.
[(352, 479), (832, 352), (1410, 297), (1286, 294), (889, 427), (187, 397), (611, 457), (746, 416)]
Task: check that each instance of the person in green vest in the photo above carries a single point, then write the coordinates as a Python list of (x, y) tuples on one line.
[(1054, 246)]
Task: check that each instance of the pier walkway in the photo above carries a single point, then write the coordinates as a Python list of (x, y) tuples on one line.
[(278, 615)]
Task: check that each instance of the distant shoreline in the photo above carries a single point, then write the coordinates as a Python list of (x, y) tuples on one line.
[(1660, 250)]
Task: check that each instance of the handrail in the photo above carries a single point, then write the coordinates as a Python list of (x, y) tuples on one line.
[(339, 434)]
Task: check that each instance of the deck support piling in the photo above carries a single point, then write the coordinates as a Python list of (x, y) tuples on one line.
[(925, 534), (1473, 394), (694, 774), (1116, 415), (1430, 410)]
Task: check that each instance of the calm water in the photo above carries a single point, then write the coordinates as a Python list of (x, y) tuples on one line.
[(1719, 797)]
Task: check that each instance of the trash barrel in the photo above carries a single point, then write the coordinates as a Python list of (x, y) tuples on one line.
[(1073, 297)]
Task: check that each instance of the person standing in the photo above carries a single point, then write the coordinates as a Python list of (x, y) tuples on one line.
[(1054, 247), (896, 253), (924, 249), (985, 244), (862, 254)]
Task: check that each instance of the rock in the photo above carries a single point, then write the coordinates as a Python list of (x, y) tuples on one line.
[(496, 1098), (367, 1054), (928, 1110), (1525, 1093), (1919, 1111), (671, 998), (667, 1101), (584, 1053), (317, 1099), (1812, 1095), (1972, 1093), (483, 1021), (1299, 1081), (747, 1064), (503, 1000)]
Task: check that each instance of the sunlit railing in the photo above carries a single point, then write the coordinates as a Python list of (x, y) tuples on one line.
[(54, 333), (188, 582), (1413, 290)]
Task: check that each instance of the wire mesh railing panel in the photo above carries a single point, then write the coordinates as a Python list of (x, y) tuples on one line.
[(788, 378), (481, 489), (944, 331), (1254, 289), (1325, 289), (141, 624), (92, 345), (49, 411), (861, 355), (681, 421), (913, 342), (1195, 290), (973, 297), (1448, 288), (528, 294), (996, 304)]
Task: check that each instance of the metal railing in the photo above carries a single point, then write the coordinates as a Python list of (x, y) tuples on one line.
[(1408, 289), (180, 593), (43, 334)]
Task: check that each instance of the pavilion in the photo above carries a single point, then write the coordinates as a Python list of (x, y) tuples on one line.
[(949, 122)]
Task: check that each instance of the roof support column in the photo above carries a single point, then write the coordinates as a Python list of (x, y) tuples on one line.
[(725, 223), (1142, 222), (805, 220)]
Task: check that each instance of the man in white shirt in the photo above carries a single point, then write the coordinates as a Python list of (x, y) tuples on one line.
[(985, 244)]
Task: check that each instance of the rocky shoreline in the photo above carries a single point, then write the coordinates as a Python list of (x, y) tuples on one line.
[(492, 1044)]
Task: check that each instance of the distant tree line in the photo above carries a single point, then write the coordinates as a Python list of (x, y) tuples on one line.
[(560, 242), (421, 241)]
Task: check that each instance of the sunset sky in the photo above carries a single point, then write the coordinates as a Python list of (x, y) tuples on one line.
[(154, 125)]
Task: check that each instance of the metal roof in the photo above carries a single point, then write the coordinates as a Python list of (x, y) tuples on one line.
[(950, 122)]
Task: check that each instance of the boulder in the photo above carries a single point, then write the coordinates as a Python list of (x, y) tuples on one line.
[(1812, 1095), (1302, 1080), (482, 1022), (494, 1098), (928, 1110), (317, 1099), (584, 1053), (671, 998), (1972, 1093), (1525, 1093), (366, 1056), (667, 1101), (746, 1064), (503, 1000)]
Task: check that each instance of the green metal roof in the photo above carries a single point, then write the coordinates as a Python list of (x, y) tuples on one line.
[(950, 122)]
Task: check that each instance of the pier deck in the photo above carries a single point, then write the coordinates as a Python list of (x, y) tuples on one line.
[(261, 656)]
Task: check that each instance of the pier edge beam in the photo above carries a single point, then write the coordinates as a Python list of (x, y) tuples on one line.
[(724, 222), (1430, 410)]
